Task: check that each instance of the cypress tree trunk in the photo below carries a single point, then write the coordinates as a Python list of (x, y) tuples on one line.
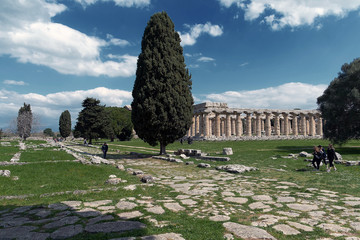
[(162, 149)]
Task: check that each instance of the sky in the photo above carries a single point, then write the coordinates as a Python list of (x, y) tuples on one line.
[(279, 54)]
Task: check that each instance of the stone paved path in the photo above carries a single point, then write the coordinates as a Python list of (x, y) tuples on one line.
[(285, 207)]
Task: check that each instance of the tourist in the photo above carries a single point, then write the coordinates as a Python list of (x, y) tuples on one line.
[(104, 149), (85, 143), (323, 154), (331, 156), (317, 158), (189, 140)]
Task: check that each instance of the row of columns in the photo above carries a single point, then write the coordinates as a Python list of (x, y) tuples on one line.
[(256, 124)]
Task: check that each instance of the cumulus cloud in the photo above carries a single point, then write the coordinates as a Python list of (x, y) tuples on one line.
[(50, 106), (292, 13), (28, 35), (195, 31), (120, 3), (116, 41), (287, 96), (13, 82)]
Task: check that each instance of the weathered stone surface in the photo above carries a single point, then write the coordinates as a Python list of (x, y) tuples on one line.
[(303, 207), (261, 198), (165, 236), (129, 215), (120, 167), (124, 205), (300, 226), (239, 200), (236, 168), (62, 222), (5, 173), (204, 165), (97, 203), (130, 187), (333, 227), (227, 151), (175, 207), (138, 172), (352, 163), (72, 204), (88, 212), (100, 219), (247, 232), (352, 203), (156, 210), (258, 205), (213, 158), (183, 156), (286, 230), (219, 218), (16, 232), (285, 199), (58, 206), (147, 179), (67, 232), (188, 202), (118, 226), (355, 226), (305, 154)]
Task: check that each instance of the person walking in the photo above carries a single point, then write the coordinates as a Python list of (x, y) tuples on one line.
[(317, 158), (323, 154), (331, 156), (104, 149)]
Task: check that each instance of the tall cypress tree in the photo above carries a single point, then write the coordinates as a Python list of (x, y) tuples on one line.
[(24, 121), (65, 124), (162, 100)]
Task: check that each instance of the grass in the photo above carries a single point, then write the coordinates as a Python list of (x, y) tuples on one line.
[(39, 177)]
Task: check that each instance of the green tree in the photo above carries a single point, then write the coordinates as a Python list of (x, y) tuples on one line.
[(340, 105), (93, 121), (65, 124), (162, 100), (120, 122), (24, 121), (48, 132)]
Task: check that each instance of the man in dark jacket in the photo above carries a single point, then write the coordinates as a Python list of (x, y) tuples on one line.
[(104, 149)]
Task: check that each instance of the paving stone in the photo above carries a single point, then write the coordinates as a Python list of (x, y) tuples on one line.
[(258, 205), (130, 187), (100, 219), (175, 207), (300, 226), (262, 198), (22, 232), (352, 203), (289, 214), (219, 218), (97, 203), (165, 236), (188, 202), (67, 232), (22, 209), (118, 226), (156, 210), (267, 220), (88, 212), (247, 232), (285, 199), (228, 194), (333, 227), (72, 204), (182, 197), (317, 214), (62, 222), (302, 207), (106, 208), (58, 206), (286, 230), (129, 215), (355, 226), (124, 205), (239, 200)]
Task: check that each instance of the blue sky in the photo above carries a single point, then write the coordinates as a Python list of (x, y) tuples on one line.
[(249, 53)]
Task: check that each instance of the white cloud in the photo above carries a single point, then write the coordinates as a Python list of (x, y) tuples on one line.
[(120, 3), (292, 13), (196, 30), (116, 41), (206, 59), (287, 96), (28, 35), (13, 82), (50, 106), (244, 64)]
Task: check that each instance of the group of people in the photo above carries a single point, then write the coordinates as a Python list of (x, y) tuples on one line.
[(320, 155)]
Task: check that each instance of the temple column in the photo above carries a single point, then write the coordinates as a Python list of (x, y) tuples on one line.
[(295, 125), (193, 127), (206, 125), (201, 125), (217, 125), (303, 124), (277, 124), (282, 126), (267, 124), (312, 125), (248, 124), (286, 124), (239, 125), (196, 125), (258, 124), (228, 125), (233, 132), (319, 125)]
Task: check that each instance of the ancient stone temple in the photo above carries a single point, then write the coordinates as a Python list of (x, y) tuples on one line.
[(218, 121)]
